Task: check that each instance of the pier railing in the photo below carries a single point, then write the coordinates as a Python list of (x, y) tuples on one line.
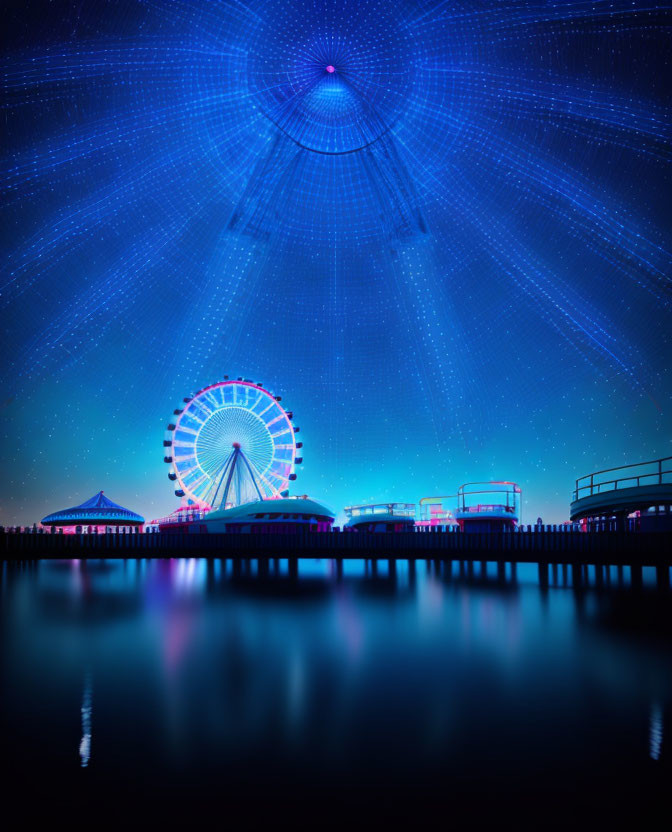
[(625, 476)]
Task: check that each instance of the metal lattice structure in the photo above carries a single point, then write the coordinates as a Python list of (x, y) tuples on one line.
[(230, 443)]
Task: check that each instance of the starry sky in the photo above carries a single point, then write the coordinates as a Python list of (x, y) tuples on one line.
[(450, 255)]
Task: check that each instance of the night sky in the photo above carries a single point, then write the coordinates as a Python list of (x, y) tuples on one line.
[(450, 256)]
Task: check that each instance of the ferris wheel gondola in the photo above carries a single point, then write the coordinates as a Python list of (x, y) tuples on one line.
[(231, 427)]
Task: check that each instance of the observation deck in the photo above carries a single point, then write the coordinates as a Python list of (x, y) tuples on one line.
[(499, 514), (645, 487), (381, 517)]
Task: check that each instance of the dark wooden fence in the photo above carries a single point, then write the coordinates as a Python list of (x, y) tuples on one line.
[(646, 548)]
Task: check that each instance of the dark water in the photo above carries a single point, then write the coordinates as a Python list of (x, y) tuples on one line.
[(186, 689)]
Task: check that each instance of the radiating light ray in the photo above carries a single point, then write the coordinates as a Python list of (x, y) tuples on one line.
[(198, 181), (513, 260)]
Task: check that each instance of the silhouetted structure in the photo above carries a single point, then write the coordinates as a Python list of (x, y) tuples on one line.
[(381, 517), (606, 499), (97, 512), (501, 513), (290, 514)]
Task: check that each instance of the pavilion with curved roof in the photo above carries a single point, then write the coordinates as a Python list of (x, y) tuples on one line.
[(380, 517), (288, 514), (95, 512)]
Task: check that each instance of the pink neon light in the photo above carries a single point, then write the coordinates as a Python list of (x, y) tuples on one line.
[(331, 68)]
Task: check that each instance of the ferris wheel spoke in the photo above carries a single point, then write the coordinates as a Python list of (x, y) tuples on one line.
[(182, 443), (280, 433), (279, 465), (196, 484), (200, 407), (200, 402), (274, 421), (189, 471), (192, 416), (184, 463), (271, 487), (279, 481), (266, 409)]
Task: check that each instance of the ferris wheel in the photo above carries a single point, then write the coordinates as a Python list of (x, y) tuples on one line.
[(234, 429)]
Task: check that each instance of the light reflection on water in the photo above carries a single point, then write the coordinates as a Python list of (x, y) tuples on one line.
[(264, 670), (85, 742)]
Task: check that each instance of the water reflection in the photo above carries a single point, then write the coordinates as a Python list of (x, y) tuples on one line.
[(85, 742), (655, 731), (382, 672)]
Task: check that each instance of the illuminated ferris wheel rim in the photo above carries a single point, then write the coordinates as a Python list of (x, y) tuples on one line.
[(270, 451)]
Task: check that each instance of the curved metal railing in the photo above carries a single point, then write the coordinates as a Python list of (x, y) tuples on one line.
[(587, 485)]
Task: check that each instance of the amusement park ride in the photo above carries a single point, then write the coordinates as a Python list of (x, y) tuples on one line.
[(232, 447), (229, 443)]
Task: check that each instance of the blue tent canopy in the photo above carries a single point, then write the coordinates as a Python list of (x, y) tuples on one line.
[(97, 511)]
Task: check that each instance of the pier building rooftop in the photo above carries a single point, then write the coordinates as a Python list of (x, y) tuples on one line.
[(96, 511)]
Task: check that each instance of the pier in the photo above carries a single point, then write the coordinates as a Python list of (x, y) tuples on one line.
[(534, 546), (612, 495)]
